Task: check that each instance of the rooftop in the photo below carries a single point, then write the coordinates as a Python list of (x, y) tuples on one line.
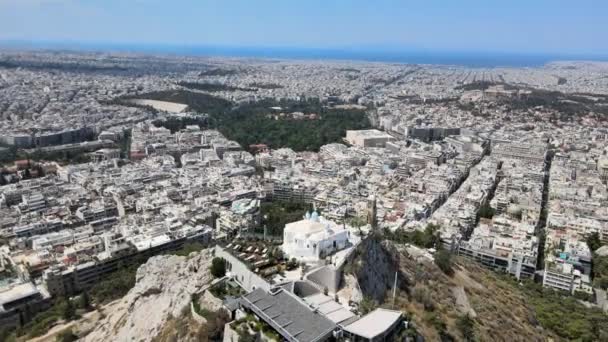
[(288, 315), (368, 133), (328, 307), (374, 323), (17, 292)]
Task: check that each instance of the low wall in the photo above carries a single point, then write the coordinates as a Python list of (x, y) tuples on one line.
[(229, 334), (330, 276), (326, 276)]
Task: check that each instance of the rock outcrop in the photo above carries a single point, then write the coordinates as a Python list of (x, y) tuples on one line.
[(602, 251), (374, 265), (163, 289)]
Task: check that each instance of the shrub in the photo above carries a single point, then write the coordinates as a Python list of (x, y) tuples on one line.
[(68, 312), (565, 315), (584, 296), (593, 241), (434, 319), (188, 248), (66, 336), (422, 296), (367, 305), (115, 285), (466, 326), (443, 260)]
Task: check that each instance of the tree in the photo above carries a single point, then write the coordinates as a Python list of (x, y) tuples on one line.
[(466, 325), (85, 301), (593, 241), (276, 214), (443, 260), (218, 267), (486, 211), (601, 283), (69, 312), (429, 238), (5, 335), (600, 271)]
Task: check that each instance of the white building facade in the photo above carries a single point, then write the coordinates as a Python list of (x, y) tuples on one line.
[(313, 238)]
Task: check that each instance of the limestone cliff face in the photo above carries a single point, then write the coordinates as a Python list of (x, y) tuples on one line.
[(163, 289), (374, 265)]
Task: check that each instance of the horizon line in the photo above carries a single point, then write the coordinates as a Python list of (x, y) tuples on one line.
[(346, 48), (367, 53)]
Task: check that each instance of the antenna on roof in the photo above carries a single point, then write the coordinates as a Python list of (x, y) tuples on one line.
[(394, 289)]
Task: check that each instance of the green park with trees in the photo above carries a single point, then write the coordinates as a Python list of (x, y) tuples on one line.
[(253, 123)]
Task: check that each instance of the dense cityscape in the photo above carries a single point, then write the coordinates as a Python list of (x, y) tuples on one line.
[(170, 198)]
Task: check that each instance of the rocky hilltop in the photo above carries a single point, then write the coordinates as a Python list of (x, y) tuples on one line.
[(163, 290)]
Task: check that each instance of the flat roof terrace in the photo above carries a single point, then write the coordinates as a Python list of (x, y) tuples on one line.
[(374, 324)]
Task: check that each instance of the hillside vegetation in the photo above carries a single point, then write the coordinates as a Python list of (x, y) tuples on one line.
[(473, 303)]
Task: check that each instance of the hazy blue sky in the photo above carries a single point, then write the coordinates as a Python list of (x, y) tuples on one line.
[(554, 26)]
